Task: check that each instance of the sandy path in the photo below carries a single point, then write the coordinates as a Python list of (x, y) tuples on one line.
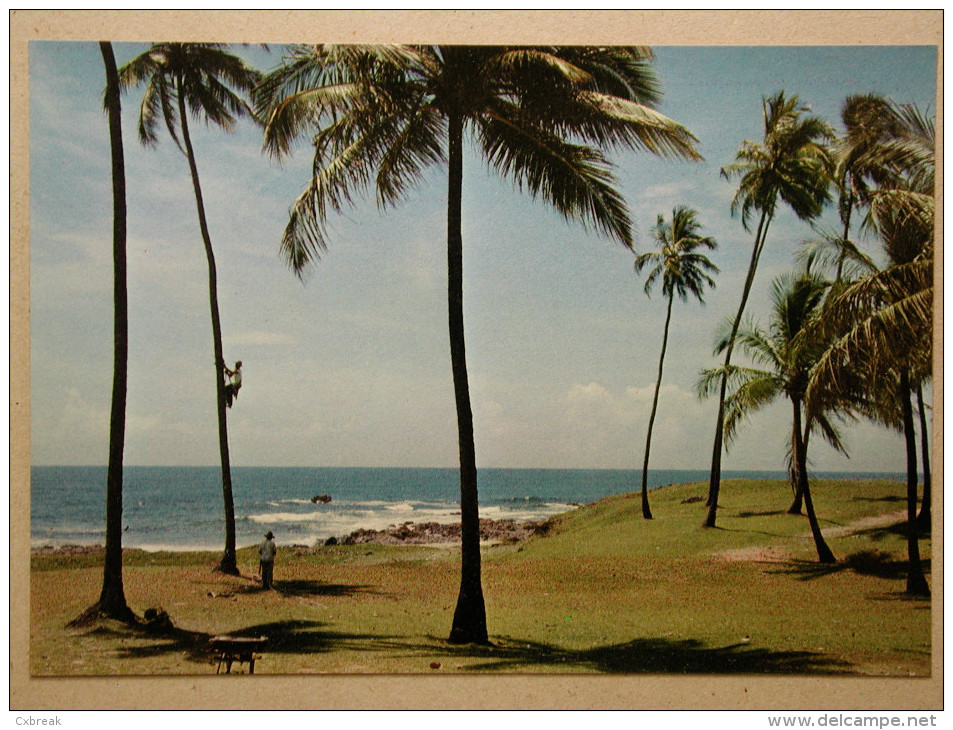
[(776, 554)]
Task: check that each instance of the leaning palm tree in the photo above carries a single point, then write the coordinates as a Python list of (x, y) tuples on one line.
[(791, 164), (205, 81), (381, 115), (112, 597), (683, 271), (788, 349)]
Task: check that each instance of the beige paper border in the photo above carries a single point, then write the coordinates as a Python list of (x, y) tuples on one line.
[(667, 27)]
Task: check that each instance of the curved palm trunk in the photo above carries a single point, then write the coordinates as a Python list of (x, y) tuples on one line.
[(924, 519), (714, 483), (795, 508), (469, 618), (796, 505), (112, 599), (228, 563), (916, 582), (646, 512), (824, 554)]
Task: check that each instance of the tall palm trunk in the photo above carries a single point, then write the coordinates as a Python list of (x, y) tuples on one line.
[(228, 563), (714, 484), (843, 253), (469, 618), (112, 599), (924, 519), (646, 512), (824, 554), (916, 582)]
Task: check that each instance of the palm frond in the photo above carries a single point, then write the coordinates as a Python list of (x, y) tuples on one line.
[(832, 250), (576, 179), (758, 390), (828, 431)]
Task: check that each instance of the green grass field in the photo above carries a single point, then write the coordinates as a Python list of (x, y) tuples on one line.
[(603, 591)]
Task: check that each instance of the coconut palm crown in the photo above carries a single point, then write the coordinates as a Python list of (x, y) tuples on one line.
[(683, 270), (210, 81), (384, 115)]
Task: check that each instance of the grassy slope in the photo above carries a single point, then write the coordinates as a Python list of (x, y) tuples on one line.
[(604, 591)]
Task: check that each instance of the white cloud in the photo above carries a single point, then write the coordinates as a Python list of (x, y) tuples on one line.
[(671, 192)]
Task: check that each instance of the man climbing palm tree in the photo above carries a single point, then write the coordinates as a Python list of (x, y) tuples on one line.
[(234, 384)]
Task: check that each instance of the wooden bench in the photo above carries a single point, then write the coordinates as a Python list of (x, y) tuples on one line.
[(231, 649)]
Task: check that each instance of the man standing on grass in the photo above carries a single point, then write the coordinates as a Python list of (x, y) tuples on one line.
[(266, 555)]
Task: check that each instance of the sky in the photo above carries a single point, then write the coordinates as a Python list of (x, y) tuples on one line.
[(350, 366)]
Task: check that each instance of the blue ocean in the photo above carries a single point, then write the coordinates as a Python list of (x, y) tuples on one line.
[(181, 508)]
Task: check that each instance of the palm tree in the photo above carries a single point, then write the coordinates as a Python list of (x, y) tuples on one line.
[(112, 597), (204, 80), (381, 115), (789, 349), (791, 164), (683, 271)]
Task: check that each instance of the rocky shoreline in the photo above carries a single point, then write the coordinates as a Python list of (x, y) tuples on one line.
[(408, 533), (430, 533)]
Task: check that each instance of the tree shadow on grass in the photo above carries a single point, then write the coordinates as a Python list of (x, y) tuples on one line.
[(305, 637), (307, 588), (644, 656), (866, 562), (764, 533), (768, 513), (137, 642), (284, 637), (507, 654), (887, 498), (897, 529)]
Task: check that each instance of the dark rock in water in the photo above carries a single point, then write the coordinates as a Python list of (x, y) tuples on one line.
[(331, 541), (322, 498)]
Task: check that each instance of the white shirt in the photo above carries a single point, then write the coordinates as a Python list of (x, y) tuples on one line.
[(267, 551)]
